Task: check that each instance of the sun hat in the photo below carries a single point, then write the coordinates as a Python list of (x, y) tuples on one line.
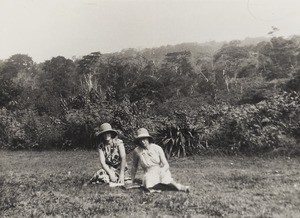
[(142, 133), (105, 127)]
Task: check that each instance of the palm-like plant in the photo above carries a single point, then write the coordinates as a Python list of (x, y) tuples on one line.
[(179, 141)]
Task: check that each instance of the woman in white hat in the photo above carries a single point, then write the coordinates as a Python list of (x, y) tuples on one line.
[(112, 157), (154, 163)]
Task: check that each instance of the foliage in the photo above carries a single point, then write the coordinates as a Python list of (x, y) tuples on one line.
[(150, 89), (13, 134), (279, 58), (58, 77), (230, 95), (253, 128), (45, 132), (124, 116), (80, 125), (177, 73), (8, 92), (55, 81), (230, 62), (128, 117), (179, 141), (16, 64), (29, 130), (294, 83), (88, 67)]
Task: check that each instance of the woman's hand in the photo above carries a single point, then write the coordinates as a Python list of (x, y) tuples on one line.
[(121, 178), (112, 176)]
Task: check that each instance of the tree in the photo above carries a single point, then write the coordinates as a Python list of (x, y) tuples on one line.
[(8, 92), (16, 74), (179, 62), (57, 81), (228, 63), (88, 67), (177, 73), (150, 89), (205, 81), (16, 64), (58, 77), (123, 73), (278, 58)]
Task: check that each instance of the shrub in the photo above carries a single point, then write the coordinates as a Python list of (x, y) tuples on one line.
[(25, 129), (12, 131), (44, 132), (179, 141), (128, 117), (252, 128), (80, 125)]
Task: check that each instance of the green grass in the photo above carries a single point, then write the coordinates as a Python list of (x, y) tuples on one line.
[(49, 183)]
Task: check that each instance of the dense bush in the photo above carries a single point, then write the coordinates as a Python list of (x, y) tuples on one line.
[(12, 132), (80, 125), (45, 132), (250, 129), (214, 98), (8, 92), (124, 116), (25, 129)]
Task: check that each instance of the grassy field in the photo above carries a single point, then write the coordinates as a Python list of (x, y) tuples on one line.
[(39, 184)]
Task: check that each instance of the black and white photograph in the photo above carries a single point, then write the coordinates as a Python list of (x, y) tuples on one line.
[(150, 108)]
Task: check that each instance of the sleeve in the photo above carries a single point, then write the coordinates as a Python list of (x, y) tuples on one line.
[(119, 142), (158, 149), (100, 146)]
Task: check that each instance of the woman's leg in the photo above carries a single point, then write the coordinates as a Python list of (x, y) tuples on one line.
[(167, 179), (99, 176), (180, 187)]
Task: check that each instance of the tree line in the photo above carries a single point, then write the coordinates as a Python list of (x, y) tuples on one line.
[(58, 103)]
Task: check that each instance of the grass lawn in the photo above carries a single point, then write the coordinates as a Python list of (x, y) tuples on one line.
[(49, 183)]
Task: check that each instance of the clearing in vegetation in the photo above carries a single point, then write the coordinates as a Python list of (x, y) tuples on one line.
[(50, 183)]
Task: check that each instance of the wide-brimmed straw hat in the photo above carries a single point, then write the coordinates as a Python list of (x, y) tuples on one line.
[(105, 127), (142, 133)]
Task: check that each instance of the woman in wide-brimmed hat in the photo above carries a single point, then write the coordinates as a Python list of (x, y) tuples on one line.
[(154, 163), (112, 157)]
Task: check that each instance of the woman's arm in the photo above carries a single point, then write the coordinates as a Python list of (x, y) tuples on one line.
[(123, 162), (163, 159), (106, 167), (134, 166)]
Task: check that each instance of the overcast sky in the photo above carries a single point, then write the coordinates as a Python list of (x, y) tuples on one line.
[(48, 28)]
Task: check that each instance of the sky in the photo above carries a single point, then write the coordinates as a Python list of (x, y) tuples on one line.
[(44, 29)]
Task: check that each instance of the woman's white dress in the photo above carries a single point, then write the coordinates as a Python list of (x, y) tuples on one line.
[(150, 161)]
